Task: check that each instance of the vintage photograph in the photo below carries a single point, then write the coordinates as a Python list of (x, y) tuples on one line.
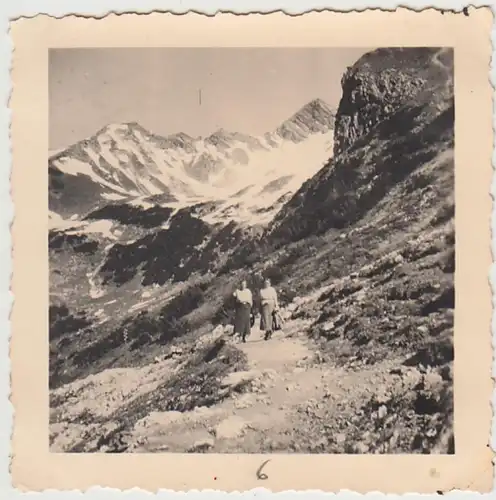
[(251, 250)]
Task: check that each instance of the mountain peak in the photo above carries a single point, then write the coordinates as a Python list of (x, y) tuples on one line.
[(181, 136), (315, 116), (121, 128), (220, 136), (317, 103), (221, 133), (315, 109)]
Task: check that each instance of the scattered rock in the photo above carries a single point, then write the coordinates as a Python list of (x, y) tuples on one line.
[(361, 448), (382, 412), (412, 378), (433, 381), (176, 351), (446, 372), (230, 428), (245, 401), (162, 419), (270, 373), (382, 397), (431, 432), (218, 330), (229, 329), (394, 439), (237, 379), (328, 326), (264, 399), (318, 358), (286, 314), (202, 445)]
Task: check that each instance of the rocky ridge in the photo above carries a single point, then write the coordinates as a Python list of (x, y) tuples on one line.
[(413, 128), (381, 82)]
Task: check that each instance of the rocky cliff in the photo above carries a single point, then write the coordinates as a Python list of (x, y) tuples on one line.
[(379, 84), (395, 117)]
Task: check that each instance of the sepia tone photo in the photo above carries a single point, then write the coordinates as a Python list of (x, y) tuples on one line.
[(251, 266), (259, 261)]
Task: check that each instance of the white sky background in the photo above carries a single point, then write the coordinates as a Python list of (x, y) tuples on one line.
[(249, 90)]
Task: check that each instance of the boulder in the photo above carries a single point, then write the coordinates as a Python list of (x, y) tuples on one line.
[(237, 379), (230, 428), (202, 445)]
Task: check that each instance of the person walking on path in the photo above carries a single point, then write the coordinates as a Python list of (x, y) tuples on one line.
[(269, 305), (244, 304)]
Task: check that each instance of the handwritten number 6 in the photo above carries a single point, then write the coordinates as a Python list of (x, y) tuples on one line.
[(261, 475)]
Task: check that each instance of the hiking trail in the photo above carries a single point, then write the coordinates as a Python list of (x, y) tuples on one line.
[(282, 388)]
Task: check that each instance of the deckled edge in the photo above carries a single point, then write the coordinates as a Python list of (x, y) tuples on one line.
[(442, 6), (6, 220), (7, 212)]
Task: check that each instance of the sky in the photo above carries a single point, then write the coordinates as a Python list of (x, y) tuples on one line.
[(249, 90)]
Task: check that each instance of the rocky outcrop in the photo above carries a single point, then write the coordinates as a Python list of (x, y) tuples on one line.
[(69, 195), (79, 243), (171, 247), (129, 214), (394, 120), (187, 246), (376, 87)]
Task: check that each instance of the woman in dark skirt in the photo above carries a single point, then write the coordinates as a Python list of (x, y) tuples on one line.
[(244, 304)]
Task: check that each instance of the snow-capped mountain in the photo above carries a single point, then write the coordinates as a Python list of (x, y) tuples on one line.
[(315, 117), (125, 161)]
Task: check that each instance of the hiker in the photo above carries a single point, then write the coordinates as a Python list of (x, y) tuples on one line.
[(244, 304), (269, 306)]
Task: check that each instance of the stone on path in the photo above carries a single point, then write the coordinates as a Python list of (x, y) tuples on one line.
[(202, 445), (236, 379), (230, 428)]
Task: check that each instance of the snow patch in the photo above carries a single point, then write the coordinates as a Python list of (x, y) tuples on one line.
[(102, 227), (112, 196)]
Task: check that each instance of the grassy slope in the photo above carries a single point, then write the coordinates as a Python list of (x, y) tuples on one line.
[(132, 321)]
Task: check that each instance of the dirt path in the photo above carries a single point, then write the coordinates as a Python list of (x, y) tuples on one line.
[(280, 392), (289, 398)]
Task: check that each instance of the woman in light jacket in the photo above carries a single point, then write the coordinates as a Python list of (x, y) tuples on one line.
[(268, 305), (244, 303)]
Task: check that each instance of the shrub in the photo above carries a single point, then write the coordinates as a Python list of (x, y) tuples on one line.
[(62, 321)]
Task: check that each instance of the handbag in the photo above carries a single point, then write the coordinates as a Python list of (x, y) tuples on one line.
[(252, 319), (276, 321)]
